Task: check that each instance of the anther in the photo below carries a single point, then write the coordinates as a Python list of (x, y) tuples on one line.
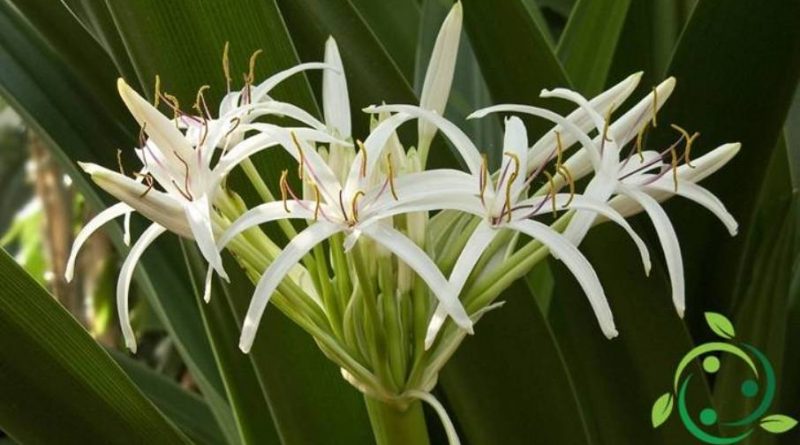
[(317, 202), (301, 166), (148, 178), (391, 176), (552, 191), (226, 66), (484, 178), (200, 102), (507, 205), (559, 149), (639, 141), (354, 205), (689, 139), (251, 75), (655, 106), (157, 91), (284, 186), (564, 172), (187, 192), (605, 130), (142, 135)]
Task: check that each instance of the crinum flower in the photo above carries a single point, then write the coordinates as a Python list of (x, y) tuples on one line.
[(189, 184), (637, 174)]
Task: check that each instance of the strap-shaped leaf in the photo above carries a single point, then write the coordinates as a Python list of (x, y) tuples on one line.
[(59, 386)]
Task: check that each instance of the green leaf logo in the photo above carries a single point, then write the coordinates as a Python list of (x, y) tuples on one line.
[(777, 423), (720, 325), (662, 408)]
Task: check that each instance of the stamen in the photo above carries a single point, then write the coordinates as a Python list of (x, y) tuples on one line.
[(300, 167), (559, 149), (391, 176), (552, 191), (200, 102), (564, 172), (157, 91), (148, 178), (514, 158), (605, 129), (354, 205), (187, 193), (236, 122), (341, 204), (317, 203), (251, 76), (674, 153), (507, 205), (655, 106), (484, 178), (284, 186), (226, 66), (363, 151), (689, 139), (639, 139), (119, 162)]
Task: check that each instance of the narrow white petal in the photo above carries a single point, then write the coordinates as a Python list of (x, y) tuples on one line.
[(569, 127), (155, 124), (461, 142), (669, 243), (126, 228), (198, 213), (709, 163), (605, 102), (124, 281), (629, 124), (701, 196), (95, 223), (593, 114), (264, 213), (294, 251), (515, 149), (578, 265), (449, 429), (335, 100), (476, 245), (439, 76), (599, 189), (271, 82), (407, 251)]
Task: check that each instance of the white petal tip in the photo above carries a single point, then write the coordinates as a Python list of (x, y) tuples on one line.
[(131, 345), (68, 276), (681, 311), (428, 343), (126, 239), (245, 344)]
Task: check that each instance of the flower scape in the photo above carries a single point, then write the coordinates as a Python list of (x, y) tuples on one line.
[(388, 263)]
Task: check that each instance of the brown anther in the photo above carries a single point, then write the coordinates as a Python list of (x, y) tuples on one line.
[(226, 66), (564, 172), (251, 75), (354, 205), (606, 122), (143, 135), (284, 186), (148, 178), (655, 106), (507, 205), (559, 149), (302, 162), (391, 176), (689, 140), (157, 91), (341, 204), (484, 178), (200, 102)]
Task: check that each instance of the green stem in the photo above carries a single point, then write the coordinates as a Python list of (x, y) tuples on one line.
[(393, 426)]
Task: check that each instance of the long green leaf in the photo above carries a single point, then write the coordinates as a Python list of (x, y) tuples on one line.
[(395, 24), (60, 105), (185, 409), (587, 46), (59, 386)]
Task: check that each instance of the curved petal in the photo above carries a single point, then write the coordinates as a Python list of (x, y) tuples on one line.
[(701, 196), (578, 265), (198, 213), (600, 188), (606, 101), (569, 127), (515, 149), (600, 208), (439, 75), (95, 223), (262, 89), (264, 213), (449, 429), (461, 142), (669, 243), (407, 251), (627, 126), (124, 281), (156, 125), (476, 245), (294, 251), (335, 100)]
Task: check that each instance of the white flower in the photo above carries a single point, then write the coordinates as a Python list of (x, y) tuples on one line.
[(189, 185), (505, 205), (638, 176)]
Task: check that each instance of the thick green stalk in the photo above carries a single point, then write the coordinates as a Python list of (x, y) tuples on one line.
[(393, 426)]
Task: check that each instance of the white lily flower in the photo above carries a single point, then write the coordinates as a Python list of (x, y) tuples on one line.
[(189, 186), (505, 205), (439, 75), (636, 177)]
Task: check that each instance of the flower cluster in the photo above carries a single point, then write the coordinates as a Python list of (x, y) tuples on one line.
[(396, 262)]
